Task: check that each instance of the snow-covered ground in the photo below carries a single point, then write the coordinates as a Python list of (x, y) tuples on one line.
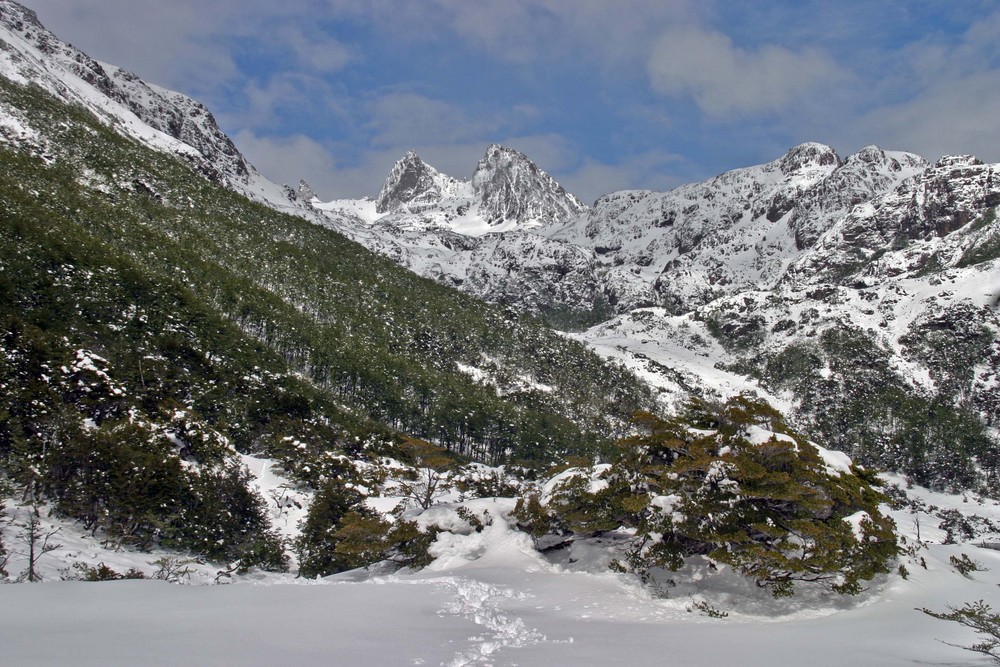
[(675, 354), (490, 599)]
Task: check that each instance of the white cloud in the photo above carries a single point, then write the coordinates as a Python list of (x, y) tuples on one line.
[(287, 159), (315, 51), (527, 31), (397, 119), (954, 116), (269, 104), (644, 171), (946, 96), (407, 118), (166, 43), (724, 79)]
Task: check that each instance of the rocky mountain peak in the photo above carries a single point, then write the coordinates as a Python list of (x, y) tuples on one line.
[(306, 193), (808, 155), (958, 161), (18, 17), (509, 186), (411, 180)]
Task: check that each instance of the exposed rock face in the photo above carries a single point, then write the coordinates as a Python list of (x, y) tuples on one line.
[(925, 219), (36, 54), (411, 182), (740, 230), (181, 117), (948, 196), (305, 191), (509, 186), (474, 234), (506, 189), (860, 178), (808, 217)]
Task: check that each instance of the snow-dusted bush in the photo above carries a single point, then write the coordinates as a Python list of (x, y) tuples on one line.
[(731, 483), (341, 533)]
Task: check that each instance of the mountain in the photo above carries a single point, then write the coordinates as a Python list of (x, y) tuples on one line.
[(161, 119), (479, 235), (160, 327), (736, 231), (507, 190), (860, 295), (767, 279), (509, 186), (186, 369)]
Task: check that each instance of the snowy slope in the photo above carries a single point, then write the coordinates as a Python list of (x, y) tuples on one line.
[(737, 231), (491, 599), (162, 119)]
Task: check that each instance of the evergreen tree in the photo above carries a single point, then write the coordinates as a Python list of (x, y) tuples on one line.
[(316, 546), (734, 484)]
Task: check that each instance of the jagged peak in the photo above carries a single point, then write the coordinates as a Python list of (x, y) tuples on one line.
[(512, 187), (13, 12), (869, 153), (306, 191), (409, 179), (872, 154), (499, 149), (498, 156), (807, 155), (959, 161)]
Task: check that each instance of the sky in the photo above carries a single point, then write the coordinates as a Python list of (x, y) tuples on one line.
[(603, 95)]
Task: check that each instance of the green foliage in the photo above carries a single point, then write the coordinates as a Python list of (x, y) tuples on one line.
[(978, 616), (707, 485), (102, 572), (568, 319), (706, 608), (364, 540), (861, 406), (735, 332), (151, 322), (431, 474), (316, 545), (172, 569), (531, 517), (292, 296), (965, 565), (340, 533)]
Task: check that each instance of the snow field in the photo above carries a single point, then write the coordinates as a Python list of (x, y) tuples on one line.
[(490, 598)]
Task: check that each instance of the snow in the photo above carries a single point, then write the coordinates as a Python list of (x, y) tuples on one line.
[(364, 209), (835, 462), (489, 599), (286, 503), (675, 354)]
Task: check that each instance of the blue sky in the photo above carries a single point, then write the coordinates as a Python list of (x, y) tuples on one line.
[(603, 95)]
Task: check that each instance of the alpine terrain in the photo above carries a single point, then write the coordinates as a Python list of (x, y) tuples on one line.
[(475, 421)]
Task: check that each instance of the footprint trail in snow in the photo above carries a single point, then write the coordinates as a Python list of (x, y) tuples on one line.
[(480, 603)]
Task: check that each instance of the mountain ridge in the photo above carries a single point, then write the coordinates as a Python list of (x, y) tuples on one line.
[(763, 260)]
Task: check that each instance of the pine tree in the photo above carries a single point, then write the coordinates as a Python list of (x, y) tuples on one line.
[(710, 484), (316, 545)]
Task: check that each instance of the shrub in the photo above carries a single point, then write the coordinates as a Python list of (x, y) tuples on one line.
[(733, 490), (980, 617)]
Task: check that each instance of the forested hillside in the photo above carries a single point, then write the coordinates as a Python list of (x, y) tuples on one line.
[(154, 321)]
